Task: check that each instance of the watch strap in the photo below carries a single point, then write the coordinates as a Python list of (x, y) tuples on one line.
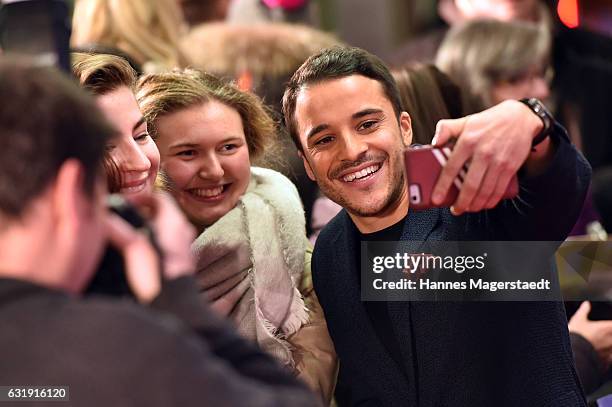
[(539, 110)]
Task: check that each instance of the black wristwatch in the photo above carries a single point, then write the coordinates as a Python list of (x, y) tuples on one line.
[(547, 119)]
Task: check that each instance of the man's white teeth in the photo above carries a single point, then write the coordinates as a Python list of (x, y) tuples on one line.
[(360, 174), (208, 192)]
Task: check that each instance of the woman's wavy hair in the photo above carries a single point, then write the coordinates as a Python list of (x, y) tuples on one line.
[(160, 94)]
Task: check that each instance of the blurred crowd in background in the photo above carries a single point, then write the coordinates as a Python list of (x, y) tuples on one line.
[(559, 52)]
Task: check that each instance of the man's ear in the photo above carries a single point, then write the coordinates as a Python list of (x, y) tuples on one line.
[(307, 167), (69, 198), (406, 128)]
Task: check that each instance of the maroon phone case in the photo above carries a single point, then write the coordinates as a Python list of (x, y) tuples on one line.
[(423, 168)]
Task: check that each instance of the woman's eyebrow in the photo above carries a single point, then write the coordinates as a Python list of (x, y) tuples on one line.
[(138, 124)]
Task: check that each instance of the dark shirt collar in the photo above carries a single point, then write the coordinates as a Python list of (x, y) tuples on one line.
[(391, 233), (12, 289)]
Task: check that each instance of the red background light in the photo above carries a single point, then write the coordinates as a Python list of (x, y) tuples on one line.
[(568, 12)]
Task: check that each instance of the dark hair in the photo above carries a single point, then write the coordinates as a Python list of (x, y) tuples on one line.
[(429, 96), (47, 121), (334, 63)]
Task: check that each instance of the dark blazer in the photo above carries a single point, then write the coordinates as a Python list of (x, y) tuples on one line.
[(177, 352), (459, 353)]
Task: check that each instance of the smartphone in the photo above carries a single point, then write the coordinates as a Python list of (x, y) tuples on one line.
[(110, 278), (39, 29), (423, 167), (600, 311)]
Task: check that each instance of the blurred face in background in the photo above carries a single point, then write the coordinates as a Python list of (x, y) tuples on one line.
[(202, 11), (133, 151), (205, 158), (505, 10), (533, 83)]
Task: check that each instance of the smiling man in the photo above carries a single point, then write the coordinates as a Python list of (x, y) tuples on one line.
[(369, 181), (342, 110)]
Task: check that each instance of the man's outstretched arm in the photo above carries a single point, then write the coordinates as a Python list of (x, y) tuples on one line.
[(496, 143)]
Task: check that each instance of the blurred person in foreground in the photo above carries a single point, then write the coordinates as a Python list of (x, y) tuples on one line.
[(343, 111), (252, 255), (168, 350)]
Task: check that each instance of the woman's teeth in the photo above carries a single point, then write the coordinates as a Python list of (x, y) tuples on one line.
[(207, 192), (134, 189)]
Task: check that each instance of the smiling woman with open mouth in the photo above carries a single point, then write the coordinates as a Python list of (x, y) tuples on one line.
[(253, 257)]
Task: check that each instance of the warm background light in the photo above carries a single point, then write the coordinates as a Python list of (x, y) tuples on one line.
[(568, 12)]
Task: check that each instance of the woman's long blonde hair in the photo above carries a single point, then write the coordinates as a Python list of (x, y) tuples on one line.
[(148, 30)]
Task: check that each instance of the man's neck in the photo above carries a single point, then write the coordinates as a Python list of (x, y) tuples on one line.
[(389, 217), (22, 257)]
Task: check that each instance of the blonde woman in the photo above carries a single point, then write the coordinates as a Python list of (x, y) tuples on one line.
[(147, 30), (493, 61), (253, 258), (261, 58)]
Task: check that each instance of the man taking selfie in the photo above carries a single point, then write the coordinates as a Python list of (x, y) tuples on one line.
[(343, 112)]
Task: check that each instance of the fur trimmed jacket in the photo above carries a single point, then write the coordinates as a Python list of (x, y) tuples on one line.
[(253, 265)]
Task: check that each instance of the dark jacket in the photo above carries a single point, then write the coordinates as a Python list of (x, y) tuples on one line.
[(590, 367), (117, 353), (459, 354)]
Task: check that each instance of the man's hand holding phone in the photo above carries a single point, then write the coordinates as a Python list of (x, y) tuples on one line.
[(424, 165), (495, 143)]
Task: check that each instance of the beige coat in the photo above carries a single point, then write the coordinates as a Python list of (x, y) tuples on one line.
[(314, 353)]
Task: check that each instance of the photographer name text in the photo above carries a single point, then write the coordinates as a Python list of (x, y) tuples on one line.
[(471, 284)]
